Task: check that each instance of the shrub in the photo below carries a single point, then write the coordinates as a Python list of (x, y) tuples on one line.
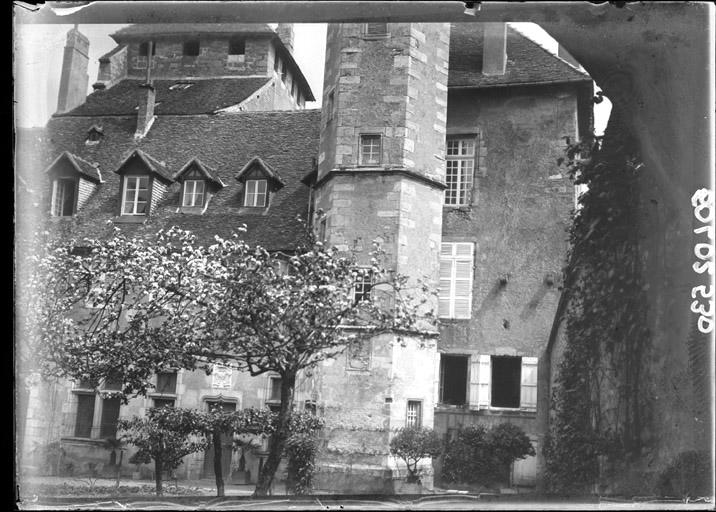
[(481, 456), (412, 444), (301, 448), (687, 476)]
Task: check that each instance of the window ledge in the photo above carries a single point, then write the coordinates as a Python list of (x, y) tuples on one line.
[(191, 210), (372, 37), (447, 320), (130, 219), (168, 396), (460, 208), (81, 440), (504, 411)]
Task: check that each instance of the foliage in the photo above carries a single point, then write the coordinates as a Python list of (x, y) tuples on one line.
[(599, 400), (478, 455), (166, 435), (301, 449), (128, 308), (70, 489), (412, 444), (688, 476)]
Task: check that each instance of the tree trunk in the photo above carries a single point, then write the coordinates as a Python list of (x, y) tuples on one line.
[(158, 468), (278, 440), (216, 440)]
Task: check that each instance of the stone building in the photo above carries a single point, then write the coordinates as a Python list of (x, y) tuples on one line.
[(440, 141)]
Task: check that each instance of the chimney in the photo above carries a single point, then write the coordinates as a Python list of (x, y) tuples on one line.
[(145, 113), (74, 78), (285, 33), (494, 49)]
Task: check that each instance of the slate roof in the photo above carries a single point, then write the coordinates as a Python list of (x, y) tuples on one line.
[(82, 166), (157, 167), (203, 97), (286, 140), (527, 62)]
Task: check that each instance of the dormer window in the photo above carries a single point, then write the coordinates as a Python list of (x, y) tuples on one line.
[(144, 182), (72, 181), (237, 51), (191, 48), (136, 195), (193, 193), (63, 197), (256, 193), (198, 184), (94, 135), (259, 181)]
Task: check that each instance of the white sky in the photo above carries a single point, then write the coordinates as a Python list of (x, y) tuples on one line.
[(38, 51)]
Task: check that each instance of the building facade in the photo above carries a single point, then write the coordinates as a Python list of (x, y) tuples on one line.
[(441, 141)]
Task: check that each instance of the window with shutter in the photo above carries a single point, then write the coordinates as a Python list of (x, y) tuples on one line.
[(453, 379), (455, 297)]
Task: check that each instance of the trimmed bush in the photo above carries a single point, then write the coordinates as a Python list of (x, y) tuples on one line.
[(484, 456), (412, 444)]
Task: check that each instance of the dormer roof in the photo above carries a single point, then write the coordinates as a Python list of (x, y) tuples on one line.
[(152, 165), (83, 167), (208, 172), (270, 174)]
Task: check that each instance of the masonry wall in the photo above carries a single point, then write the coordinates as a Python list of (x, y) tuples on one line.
[(169, 60), (518, 220)]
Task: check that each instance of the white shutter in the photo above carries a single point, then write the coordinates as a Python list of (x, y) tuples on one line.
[(474, 382), (528, 394), (482, 370), (456, 276), (437, 380)]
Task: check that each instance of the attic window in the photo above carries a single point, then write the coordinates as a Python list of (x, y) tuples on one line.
[(63, 197), (191, 48), (94, 136), (180, 86), (193, 193)]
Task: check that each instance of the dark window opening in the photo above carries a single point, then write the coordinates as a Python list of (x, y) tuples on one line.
[(64, 204), (310, 407), (329, 106), (275, 388), (453, 379), (376, 29), (167, 383), (276, 408), (163, 402), (110, 415), (113, 383), (505, 385), (237, 46), (94, 136), (85, 414), (144, 49), (191, 48)]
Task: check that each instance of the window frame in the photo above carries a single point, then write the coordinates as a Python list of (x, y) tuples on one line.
[(361, 154), (98, 424), (71, 182), (417, 420), (460, 180), (363, 283), (256, 194), (193, 194), (481, 383), (125, 189), (441, 380)]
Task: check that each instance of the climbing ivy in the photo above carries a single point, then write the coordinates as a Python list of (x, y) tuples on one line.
[(598, 401)]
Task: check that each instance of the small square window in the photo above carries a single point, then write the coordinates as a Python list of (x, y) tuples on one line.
[(191, 48), (193, 193), (370, 150), (237, 46), (376, 29), (414, 416), (256, 192), (63, 197), (144, 49)]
